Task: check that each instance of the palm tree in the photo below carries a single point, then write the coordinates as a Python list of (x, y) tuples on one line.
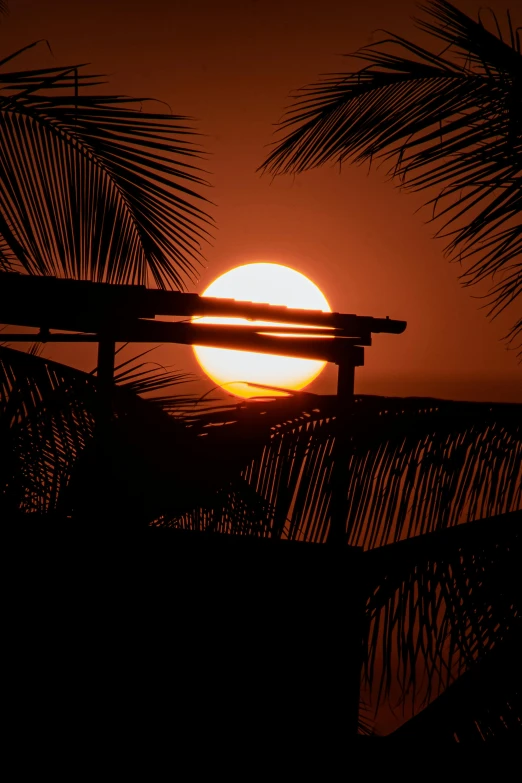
[(448, 122), (432, 489)]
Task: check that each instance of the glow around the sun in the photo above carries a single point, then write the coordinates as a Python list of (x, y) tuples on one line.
[(270, 284)]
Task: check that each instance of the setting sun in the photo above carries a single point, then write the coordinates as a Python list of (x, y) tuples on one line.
[(270, 284)]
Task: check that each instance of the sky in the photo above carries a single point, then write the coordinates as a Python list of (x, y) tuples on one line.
[(231, 64)]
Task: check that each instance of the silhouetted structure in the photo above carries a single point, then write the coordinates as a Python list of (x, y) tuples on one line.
[(107, 314)]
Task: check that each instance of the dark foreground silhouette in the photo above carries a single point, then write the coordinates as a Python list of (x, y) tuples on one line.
[(418, 605)]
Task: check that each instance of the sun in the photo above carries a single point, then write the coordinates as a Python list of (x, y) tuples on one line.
[(266, 283)]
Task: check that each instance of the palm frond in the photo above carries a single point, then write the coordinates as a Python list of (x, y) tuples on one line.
[(46, 419), (437, 604), (147, 378), (92, 187), (412, 466), (48, 449), (483, 705), (149, 462), (451, 121)]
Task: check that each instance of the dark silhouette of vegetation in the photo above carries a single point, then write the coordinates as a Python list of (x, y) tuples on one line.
[(113, 186), (453, 120), (432, 489), (482, 705), (450, 121)]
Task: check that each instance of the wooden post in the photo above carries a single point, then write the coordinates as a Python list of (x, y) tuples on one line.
[(346, 602), (354, 357), (106, 350), (345, 390), (345, 382)]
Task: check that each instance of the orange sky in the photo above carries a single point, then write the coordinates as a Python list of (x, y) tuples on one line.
[(231, 65)]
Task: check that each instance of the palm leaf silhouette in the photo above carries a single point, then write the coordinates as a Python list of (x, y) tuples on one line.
[(46, 419), (151, 463), (92, 187), (48, 416), (441, 586), (484, 704), (452, 121), (438, 603), (415, 465)]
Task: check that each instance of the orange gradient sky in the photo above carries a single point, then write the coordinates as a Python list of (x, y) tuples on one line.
[(231, 65)]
